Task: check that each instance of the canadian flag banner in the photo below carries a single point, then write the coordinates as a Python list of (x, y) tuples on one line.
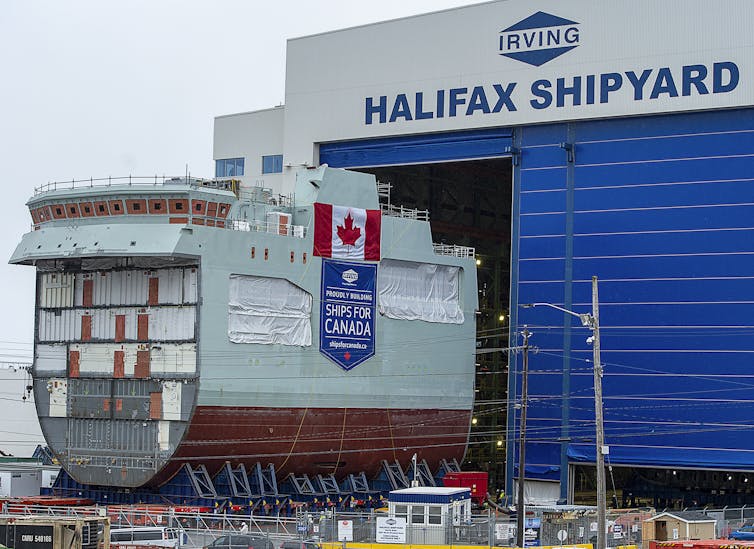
[(347, 233)]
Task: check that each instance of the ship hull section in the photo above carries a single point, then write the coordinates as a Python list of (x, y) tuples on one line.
[(202, 345), (319, 440)]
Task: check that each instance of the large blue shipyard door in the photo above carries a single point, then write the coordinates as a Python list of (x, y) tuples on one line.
[(661, 209), (421, 149)]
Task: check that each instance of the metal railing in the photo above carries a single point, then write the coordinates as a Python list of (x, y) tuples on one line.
[(407, 213), (198, 528), (130, 180), (483, 529), (270, 227), (454, 250)]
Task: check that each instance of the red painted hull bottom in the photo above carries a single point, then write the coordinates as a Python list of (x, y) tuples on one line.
[(318, 440)]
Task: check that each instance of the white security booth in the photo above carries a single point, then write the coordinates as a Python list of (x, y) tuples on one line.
[(431, 514)]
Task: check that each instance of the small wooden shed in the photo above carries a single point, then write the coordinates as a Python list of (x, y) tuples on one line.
[(677, 525)]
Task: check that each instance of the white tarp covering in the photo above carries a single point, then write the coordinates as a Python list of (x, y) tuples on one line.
[(419, 291), (268, 311), (536, 492)]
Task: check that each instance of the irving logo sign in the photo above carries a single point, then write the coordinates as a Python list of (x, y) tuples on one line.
[(539, 38), (636, 85)]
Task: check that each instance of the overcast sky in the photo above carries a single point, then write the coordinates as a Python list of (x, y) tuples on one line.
[(110, 88)]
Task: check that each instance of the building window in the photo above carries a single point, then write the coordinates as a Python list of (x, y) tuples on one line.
[(229, 167), (272, 163), (417, 514)]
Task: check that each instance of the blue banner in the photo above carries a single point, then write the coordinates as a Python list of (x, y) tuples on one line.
[(347, 311), (532, 527)]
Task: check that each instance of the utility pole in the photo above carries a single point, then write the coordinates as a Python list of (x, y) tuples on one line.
[(599, 424), (520, 508), (591, 321)]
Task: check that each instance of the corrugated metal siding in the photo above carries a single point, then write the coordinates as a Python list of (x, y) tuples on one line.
[(661, 209), (56, 290), (59, 325), (132, 287), (164, 324)]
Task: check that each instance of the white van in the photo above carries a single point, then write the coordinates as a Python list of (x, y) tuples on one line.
[(156, 536)]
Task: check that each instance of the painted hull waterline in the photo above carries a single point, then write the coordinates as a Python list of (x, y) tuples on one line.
[(319, 441)]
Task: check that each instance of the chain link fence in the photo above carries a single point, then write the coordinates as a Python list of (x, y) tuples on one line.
[(543, 527)]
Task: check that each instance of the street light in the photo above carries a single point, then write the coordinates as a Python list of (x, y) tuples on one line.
[(520, 507), (592, 321)]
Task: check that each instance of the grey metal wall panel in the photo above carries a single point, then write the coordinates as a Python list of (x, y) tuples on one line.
[(126, 388), (50, 359), (172, 323), (55, 429), (88, 436), (190, 284), (88, 397), (41, 396), (188, 400), (170, 360), (133, 395)]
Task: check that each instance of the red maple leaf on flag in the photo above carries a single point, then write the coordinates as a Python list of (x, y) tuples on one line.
[(347, 233)]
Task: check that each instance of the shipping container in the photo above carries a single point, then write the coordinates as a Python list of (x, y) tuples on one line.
[(476, 481), (24, 532)]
